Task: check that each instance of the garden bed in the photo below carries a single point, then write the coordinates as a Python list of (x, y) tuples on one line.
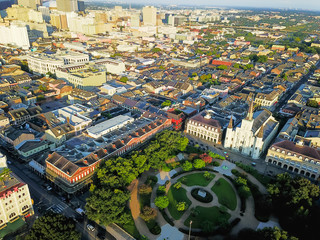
[(208, 198)]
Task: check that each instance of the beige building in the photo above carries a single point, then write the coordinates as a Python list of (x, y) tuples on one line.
[(267, 100), (295, 157), (84, 76), (67, 5), (205, 127), (30, 3), (4, 121), (149, 14), (15, 200)]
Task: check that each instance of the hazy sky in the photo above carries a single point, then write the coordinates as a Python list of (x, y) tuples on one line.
[(304, 4)]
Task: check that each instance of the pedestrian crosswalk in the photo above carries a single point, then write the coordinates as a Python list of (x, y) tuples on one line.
[(59, 208)]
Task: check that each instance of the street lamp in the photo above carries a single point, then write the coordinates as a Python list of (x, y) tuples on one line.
[(189, 230)]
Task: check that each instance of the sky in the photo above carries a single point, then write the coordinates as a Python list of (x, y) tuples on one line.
[(303, 4)]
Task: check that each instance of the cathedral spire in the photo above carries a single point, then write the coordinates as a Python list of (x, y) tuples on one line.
[(260, 133), (230, 123), (250, 111)]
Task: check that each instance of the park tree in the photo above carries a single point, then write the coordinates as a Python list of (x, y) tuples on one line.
[(148, 213), (181, 206), (177, 185), (187, 166), (312, 103), (265, 234), (162, 202), (207, 175), (199, 163), (108, 206), (52, 226), (124, 79), (166, 103), (293, 200), (145, 189)]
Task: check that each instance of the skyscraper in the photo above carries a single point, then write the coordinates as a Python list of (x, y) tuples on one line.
[(30, 3), (149, 15), (67, 5)]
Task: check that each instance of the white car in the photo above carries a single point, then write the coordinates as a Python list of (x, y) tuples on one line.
[(9, 162), (90, 227)]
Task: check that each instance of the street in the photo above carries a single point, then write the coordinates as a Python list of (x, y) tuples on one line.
[(44, 199)]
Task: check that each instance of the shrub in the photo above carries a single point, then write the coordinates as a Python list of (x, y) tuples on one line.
[(161, 190), (244, 191), (206, 158), (145, 189), (166, 168), (162, 202), (216, 164), (207, 175), (181, 206), (148, 213), (152, 180), (199, 163), (177, 185), (166, 217), (156, 230)]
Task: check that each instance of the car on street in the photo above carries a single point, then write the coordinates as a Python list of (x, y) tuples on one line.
[(253, 164), (90, 227)]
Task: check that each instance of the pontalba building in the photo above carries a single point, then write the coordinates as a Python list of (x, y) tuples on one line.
[(252, 136), (295, 157)]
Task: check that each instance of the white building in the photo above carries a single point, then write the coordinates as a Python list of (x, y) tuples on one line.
[(16, 35), (73, 115), (109, 126), (43, 63), (205, 127), (252, 136), (15, 200), (110, 90), (3, 160), (112, 65)]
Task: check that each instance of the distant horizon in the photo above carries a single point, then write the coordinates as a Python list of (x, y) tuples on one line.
[(311, 5)]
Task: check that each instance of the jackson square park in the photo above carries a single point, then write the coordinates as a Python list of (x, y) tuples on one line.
[(172, 189)]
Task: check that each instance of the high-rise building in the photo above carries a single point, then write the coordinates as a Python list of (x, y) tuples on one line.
[(16, 35), (149, 14), (67, 5), (30, 3)]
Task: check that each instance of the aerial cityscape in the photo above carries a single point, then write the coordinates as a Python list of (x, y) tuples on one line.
[(159, 120)]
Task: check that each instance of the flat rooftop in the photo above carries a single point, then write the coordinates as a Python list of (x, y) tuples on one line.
[(101, 127)]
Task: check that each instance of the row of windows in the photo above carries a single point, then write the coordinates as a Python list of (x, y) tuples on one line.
[(306, 159)]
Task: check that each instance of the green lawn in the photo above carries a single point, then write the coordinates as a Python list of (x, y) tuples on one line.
[(131, 228), (175, 196), (225, 193), (196, 179), (214, 215)]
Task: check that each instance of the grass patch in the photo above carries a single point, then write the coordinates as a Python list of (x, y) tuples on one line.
[(214, 215), (196, 179), (175, 196), (264, 180), (130, 228), (225, 194)]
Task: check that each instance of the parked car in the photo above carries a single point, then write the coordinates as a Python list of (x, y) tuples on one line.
[(90, 227)]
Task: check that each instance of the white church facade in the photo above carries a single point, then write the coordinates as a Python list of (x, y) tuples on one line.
[(252, 136)]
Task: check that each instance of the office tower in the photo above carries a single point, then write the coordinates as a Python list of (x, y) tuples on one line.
[(67, 5), (149, 15), (15, 34), (81, 7), (34, 4)]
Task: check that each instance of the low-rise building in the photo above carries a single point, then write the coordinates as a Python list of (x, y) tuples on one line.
[(41, 63), (109, 125), (204, 127), (295, 157), (83, 76), (15, 200)]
